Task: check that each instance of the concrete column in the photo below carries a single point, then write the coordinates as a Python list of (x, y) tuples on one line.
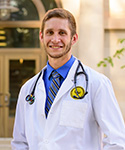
[(91, 33)]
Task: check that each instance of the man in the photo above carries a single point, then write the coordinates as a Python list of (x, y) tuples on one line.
[(74, 106)]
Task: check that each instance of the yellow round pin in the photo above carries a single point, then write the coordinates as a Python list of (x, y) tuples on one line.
[(80, 91)]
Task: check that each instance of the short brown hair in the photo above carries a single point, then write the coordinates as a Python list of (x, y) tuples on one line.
[(60, 13)]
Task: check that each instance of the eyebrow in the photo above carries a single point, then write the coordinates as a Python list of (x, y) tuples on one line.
[(51, 29), (48, 29)]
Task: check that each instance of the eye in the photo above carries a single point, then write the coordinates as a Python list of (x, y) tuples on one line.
[(62, 32), (49, 32)]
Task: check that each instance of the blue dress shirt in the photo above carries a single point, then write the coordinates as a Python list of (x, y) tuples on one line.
[(63, 71)]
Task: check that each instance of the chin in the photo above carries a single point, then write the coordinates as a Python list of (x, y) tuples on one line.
[(55, 56)]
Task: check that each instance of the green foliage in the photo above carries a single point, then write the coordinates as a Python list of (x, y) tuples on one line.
[(109, 59), (121, 40), (122, 67)]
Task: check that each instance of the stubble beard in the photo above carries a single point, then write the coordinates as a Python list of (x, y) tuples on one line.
[(67, 49)]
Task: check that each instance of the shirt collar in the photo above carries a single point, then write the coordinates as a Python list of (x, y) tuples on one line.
[(63, 70)]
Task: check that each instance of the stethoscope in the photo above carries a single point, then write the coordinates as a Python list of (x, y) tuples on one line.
[(31, 97)]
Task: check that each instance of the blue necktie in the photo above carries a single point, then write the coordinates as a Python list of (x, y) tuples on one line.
[(53, 89)]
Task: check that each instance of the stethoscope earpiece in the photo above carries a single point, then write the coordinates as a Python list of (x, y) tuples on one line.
[(30, 98)]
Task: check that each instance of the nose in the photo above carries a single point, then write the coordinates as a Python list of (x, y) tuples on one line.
[(55, 38)]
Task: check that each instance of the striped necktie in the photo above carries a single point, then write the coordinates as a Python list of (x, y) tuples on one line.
[(53, 89)]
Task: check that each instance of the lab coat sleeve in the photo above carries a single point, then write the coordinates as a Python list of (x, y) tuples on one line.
[(19, 141), (109, 117)]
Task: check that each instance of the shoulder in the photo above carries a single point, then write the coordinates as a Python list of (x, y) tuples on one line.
[(96, 78), (100, 87)]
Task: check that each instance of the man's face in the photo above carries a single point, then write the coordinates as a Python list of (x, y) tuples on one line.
[(57, 38)]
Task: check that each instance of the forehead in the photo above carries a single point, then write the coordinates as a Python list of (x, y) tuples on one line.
[(57, 23)]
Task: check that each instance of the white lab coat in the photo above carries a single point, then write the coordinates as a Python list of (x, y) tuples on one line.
[(71, 124)]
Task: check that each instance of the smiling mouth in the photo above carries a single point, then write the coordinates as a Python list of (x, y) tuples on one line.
[(56, 47)]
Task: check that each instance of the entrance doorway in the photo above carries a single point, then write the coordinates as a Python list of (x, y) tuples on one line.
[(15, 70)]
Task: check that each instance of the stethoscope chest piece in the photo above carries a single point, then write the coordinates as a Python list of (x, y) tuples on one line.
[(77, 92), (30, 98)]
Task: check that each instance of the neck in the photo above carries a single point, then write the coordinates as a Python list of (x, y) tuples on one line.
[(58, 62)]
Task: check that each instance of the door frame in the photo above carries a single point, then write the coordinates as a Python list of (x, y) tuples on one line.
[(1, 98), (6, 121)]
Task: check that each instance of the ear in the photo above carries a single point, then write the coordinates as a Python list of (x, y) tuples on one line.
[(41, 36), (74, 38)]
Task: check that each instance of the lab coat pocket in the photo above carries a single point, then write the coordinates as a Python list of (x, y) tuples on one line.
[(73, 114)]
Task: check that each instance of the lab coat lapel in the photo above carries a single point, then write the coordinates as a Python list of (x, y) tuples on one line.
[(41, 93), (68, 82)]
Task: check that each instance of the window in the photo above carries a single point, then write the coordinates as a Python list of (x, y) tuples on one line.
[(27, 10), (19, 38)]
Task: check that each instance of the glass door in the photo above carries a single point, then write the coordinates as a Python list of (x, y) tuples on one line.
[(17, 70)]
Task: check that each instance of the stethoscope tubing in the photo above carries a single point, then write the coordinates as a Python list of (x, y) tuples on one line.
[(31, 97), (86, 78)]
